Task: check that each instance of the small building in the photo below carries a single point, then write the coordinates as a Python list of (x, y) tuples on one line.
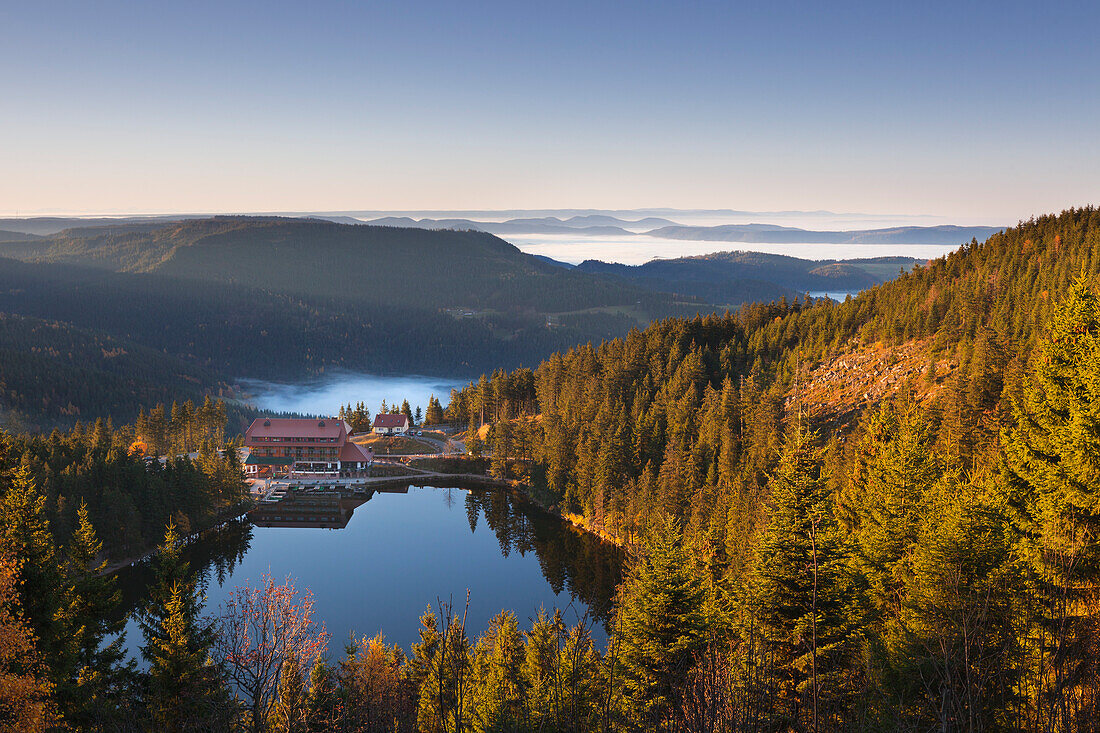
[(353, 457), (391, 423), (302, 445)]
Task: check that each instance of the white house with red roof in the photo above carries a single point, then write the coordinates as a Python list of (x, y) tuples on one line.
[(391, 423), (302, 445)]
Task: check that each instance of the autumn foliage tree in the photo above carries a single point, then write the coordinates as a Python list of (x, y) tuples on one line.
[(261, 630), (25, 691)]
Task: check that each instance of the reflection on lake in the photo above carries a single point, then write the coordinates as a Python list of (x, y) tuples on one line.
[(339, 387), (400, 552)]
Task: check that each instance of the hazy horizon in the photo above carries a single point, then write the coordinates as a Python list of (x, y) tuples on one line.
[(694, 216)]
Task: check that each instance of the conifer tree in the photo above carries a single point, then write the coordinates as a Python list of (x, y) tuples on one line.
[(1052, 463), (44, 597), (290, 712), (100, 679), (803, 591), (883, 500), (186, 691), (499, 701), (322, 704), (665, 614), (953, 645), (26, 703)]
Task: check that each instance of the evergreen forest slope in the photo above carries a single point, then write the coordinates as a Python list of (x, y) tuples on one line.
[(940, 541)]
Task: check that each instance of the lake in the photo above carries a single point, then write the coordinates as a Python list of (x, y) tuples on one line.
[(325, 395), (401, 552)]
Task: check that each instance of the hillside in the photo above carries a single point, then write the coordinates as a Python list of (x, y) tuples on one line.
[(309, 257), (738, 277), (243, 331), (365, 298), (953, 332), (52, 373), (920, 460)]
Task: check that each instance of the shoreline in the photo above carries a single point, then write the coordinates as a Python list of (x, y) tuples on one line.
[(223, 519), (516, 487)]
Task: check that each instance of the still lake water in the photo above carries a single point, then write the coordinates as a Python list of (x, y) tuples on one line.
[(400, 553)]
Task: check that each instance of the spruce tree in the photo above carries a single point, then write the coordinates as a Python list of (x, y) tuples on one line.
[(803, 591), (953, 645), (498, 664), (1052, 464), (44, 596), (883, 501), (96, 689), (666, 616), (186, 691)]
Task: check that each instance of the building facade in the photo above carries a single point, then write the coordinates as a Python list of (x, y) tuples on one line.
[(300, 445), (390, 423)]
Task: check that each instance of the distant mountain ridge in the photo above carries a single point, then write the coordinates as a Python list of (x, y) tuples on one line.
[(599, 225), (945, 234), (590, 223), (722, 277)]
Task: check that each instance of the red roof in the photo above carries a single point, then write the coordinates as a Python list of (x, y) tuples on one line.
[(391, 420), (354, 452), (287, 427)]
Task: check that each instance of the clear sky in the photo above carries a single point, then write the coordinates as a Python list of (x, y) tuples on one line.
[(977, 111)]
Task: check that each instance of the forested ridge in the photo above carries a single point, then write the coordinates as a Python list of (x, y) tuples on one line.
[(940, 551), (728, 277), (284, 299), (375, 265)]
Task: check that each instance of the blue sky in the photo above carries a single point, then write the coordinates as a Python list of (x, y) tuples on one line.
[(976, 111)]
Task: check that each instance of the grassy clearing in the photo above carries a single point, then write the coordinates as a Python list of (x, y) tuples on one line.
[(395, 445)]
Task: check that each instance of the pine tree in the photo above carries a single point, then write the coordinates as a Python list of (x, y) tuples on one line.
[(44, 597), (1052, 463), (98, 686), (186, 690), (665, 614), (803, 593)]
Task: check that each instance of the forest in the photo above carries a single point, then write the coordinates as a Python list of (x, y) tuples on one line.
[(932, 564), (207, 301), (930, 567)]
